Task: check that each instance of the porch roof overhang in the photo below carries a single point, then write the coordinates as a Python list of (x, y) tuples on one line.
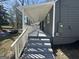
[(36, 13)]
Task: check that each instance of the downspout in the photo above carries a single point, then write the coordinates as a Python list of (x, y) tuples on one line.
[(23, 18)]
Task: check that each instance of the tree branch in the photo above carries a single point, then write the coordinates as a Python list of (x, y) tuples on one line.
[(22, 2)]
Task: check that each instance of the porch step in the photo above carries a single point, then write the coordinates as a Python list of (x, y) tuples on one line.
[(38, 49), (39, 37), (39, 45), (38, 56), (39, 40)]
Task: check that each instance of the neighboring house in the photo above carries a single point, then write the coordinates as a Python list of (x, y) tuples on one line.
[(58, 19)]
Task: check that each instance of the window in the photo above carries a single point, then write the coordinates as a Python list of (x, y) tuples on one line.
[(48, 18)]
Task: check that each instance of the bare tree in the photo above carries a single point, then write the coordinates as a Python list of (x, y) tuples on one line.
[(2, 0), (35, 1), (22, 2), (49, 0), (18, 14)]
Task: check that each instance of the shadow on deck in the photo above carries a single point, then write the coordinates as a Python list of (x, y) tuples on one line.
[(38, 47)]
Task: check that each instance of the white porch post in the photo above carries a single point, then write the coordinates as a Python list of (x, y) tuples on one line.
[(53, 31), (23, 21)]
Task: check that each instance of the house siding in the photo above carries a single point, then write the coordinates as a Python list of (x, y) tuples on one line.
[(47, 23)]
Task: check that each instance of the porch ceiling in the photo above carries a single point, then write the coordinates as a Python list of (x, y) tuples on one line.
[(36, 13)]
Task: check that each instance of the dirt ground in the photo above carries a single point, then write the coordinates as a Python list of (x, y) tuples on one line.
[(5, 46), (70, 51)]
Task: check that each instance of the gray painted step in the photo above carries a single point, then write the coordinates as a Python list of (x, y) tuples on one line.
[(39, 39), (38, 49), (39, 45), (38, 56)]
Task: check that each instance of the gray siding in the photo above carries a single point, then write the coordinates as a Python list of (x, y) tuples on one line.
[(48, 26), (67, 18)]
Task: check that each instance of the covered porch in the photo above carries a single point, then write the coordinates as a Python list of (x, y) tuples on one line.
[(33, 43)]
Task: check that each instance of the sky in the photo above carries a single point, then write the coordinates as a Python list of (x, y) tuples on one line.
[(37, 1), (9, 3)]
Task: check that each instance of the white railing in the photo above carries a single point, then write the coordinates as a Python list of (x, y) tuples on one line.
[(20, 42)]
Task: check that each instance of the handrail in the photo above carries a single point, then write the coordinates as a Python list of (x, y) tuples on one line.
[(19, 37)]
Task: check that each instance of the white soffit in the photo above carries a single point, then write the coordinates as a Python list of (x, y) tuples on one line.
[(36, 13)]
